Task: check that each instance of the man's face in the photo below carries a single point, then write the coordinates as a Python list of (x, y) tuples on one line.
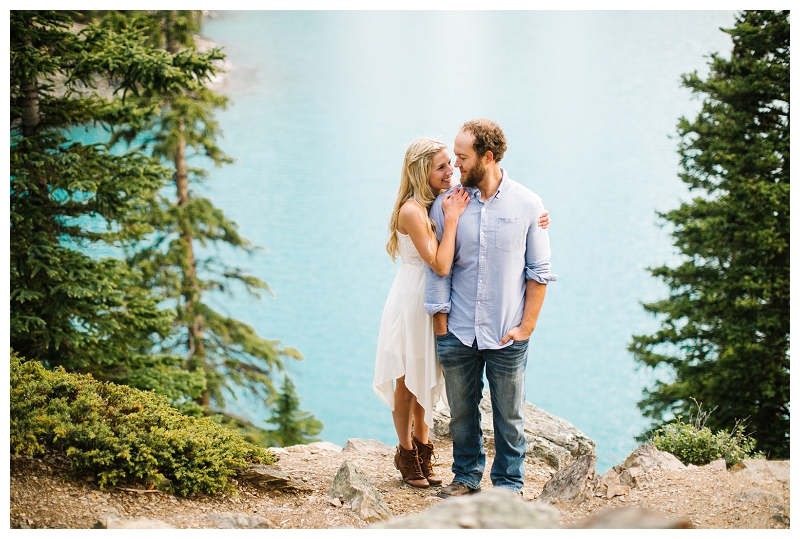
[(467, 162)]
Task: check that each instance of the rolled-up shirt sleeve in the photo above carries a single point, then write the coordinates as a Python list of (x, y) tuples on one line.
[(537, 253), (437, 288)]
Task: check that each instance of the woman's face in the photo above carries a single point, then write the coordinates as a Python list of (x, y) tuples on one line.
[(441, 172)]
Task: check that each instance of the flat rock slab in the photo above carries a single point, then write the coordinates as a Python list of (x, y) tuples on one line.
[(493, 509), (268, 476), (325, 446), (357, 445), (763, 471), (112, 522), (241, 522), (631, 518), (548, 438), (758, 495)]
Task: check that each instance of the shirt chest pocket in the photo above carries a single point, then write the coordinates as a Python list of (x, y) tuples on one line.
[(509, 233)]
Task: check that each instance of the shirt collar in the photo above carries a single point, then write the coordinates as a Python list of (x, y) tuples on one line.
[(475, 192), (503, 183)]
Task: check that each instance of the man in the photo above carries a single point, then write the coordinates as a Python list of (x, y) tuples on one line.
[(485, 311)]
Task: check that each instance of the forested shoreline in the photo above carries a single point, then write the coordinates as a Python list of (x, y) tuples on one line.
[(140, 320)]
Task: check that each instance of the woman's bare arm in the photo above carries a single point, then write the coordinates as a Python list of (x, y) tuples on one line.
[(414, 220)]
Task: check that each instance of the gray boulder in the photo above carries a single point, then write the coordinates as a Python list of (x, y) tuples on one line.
[(352, 485), (549, 438), (494, 509), (573, 484)]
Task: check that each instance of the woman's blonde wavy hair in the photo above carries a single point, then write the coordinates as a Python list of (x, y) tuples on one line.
[(414, 184)]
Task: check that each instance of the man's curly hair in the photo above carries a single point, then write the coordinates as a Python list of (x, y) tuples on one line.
[(488, 137)]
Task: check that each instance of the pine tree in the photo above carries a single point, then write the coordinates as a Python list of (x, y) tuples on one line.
[(292, 425), (229, 352), (69, 305), (725, 326)]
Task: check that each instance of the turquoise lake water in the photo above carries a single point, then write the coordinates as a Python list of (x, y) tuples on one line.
[(323, 105)]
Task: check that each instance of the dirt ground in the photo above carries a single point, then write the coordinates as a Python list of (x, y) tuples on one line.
[(40, 496)]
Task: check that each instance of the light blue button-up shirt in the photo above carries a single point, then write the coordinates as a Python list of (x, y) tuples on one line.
[(499, 246)]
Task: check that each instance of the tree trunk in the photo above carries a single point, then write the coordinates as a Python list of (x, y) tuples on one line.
[(190, 286), (30, 109), (30, 103)]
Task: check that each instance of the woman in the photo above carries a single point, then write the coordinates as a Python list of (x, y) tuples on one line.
[(407, 374)]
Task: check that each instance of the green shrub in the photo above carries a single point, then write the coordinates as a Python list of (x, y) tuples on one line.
[(694, 443), (121, 434)]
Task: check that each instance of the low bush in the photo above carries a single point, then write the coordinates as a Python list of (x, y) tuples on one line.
[(122, 435), (694, 443)]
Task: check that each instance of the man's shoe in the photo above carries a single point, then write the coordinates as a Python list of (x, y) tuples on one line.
[(457, 489)]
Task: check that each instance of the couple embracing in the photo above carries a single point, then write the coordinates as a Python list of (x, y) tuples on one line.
[(475, 265)]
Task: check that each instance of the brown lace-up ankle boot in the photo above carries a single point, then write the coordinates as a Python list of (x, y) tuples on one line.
[(408, 463), (427, 457)]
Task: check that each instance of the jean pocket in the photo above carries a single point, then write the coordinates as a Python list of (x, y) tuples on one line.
[(520, 344), (509, 234), (442, 336)]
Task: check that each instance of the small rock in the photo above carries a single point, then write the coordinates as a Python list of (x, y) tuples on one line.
[(271, 477), (647, 457), (631, 476), (573, 484), (617, 490), (366, 501), (611, 477), (336, 502), (718, 464)]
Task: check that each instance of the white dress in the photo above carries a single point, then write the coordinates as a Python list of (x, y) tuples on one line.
[(406, 342)]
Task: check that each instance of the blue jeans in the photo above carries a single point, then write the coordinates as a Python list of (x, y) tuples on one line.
[(463, 375)]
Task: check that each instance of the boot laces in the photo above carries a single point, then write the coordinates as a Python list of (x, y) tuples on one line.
[(409, 461)]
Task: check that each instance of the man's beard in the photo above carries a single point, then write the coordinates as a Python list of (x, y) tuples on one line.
[(474, 176)]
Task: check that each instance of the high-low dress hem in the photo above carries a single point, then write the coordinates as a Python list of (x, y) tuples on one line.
[(406, 342)]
